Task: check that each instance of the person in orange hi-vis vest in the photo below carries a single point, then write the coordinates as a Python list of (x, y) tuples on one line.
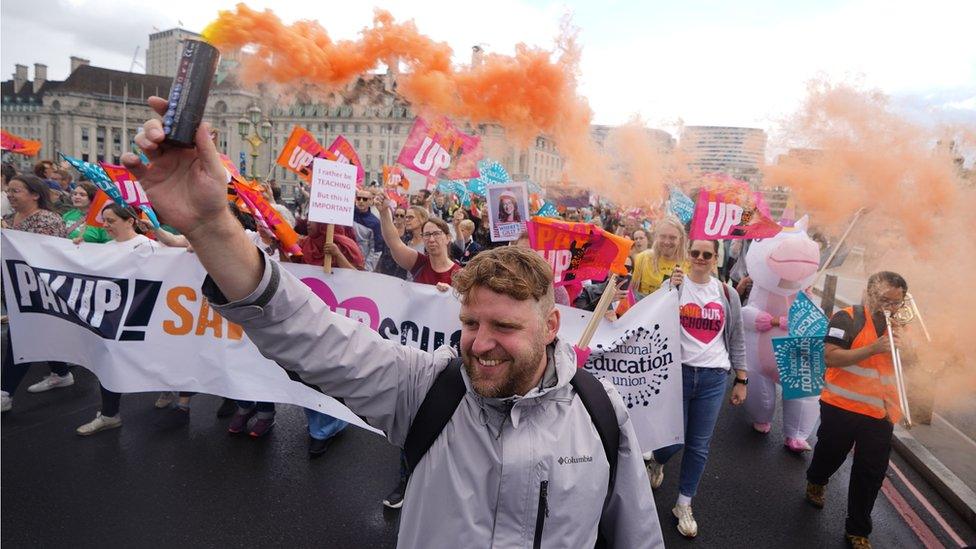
[(859, 404)]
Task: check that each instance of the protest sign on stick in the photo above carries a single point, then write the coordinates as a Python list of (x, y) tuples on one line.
[(681, 205), (332, 198), (508, 211)]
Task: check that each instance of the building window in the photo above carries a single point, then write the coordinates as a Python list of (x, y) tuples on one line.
[(369, 143), (84, 136), (100, 135), (355, 144)]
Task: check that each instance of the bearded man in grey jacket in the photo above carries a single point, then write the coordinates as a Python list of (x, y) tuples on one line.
[(520, 434)]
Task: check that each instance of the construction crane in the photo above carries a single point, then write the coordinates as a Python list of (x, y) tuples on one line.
[(135, 61)]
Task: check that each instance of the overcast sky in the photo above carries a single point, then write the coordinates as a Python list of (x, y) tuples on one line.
[(713, 62)]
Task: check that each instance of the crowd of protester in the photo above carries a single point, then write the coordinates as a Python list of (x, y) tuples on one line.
[(426, 241)]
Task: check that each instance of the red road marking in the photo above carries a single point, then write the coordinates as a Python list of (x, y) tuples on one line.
[(924, 533), (928, 506)]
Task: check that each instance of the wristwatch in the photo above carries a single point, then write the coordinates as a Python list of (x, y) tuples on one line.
[(742, 381)]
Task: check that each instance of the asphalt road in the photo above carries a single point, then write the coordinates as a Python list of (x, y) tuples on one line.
[(200, 487)]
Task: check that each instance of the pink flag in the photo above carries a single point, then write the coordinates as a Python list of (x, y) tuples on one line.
[(721, 216), (131, 190), (439, 150), (345, 153)]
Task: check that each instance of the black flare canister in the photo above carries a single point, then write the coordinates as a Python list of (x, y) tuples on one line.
[(188, 96)]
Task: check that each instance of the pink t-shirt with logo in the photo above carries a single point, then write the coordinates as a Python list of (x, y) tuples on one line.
[(702, 316)]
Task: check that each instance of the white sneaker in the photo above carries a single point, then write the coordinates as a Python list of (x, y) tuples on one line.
[(165, 399), (5, 401), (52, 381), (655, 473), (100, 423), (687, 526)]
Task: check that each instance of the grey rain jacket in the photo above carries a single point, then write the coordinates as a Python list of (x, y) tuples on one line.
[(481, 482)]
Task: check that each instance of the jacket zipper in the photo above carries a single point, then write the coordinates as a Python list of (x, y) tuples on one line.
[(540, 519)]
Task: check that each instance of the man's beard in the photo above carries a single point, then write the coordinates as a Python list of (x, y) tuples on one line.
[(521, 373)]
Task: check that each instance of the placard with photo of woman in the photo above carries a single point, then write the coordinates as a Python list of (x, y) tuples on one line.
[(508, 210)]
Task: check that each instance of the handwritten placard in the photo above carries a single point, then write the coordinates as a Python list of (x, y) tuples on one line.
[(333, 194)]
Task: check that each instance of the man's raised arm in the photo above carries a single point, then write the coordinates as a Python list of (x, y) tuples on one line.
[(188, 187)]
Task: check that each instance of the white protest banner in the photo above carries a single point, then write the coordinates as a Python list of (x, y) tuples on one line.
[(142, 324), (508, 210), (641, 355), (333, 193)]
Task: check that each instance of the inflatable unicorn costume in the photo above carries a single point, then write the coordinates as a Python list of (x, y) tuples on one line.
[(780, 267)]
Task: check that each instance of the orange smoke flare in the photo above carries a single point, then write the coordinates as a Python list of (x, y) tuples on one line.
[(529, 94)]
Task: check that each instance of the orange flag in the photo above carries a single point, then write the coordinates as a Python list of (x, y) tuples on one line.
[(98, 204), (19, 145), (594, 250), (299, 152)]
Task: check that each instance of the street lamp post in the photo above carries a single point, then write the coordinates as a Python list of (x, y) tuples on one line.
[(255, 133)]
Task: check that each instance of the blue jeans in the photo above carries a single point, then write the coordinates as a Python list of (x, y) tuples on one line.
[(321, 426), (703, 391)]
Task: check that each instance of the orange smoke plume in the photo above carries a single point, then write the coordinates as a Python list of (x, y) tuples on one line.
[(529, 94), (857, 153)]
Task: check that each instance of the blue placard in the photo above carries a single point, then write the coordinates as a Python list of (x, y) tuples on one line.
[(547, 210), (491, 173), (681, 205), (800, 361), (805, 318), (457, 188)]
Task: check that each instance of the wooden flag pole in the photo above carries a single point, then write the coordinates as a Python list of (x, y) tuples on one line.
[(857, 217), (601, 309), (329, 239)]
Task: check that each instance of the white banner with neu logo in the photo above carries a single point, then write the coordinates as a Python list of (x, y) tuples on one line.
[(138, 320)]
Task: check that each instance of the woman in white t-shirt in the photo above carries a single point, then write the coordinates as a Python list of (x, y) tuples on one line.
[(712, 347), (121, 224)]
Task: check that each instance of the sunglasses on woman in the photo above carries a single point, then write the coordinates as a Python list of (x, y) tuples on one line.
[(695, 254)]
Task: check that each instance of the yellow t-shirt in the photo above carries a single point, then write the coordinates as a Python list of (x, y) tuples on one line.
[(646, 279)]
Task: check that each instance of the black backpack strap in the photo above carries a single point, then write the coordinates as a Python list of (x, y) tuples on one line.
[(859, 319), (604, 417), (435, 412)]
